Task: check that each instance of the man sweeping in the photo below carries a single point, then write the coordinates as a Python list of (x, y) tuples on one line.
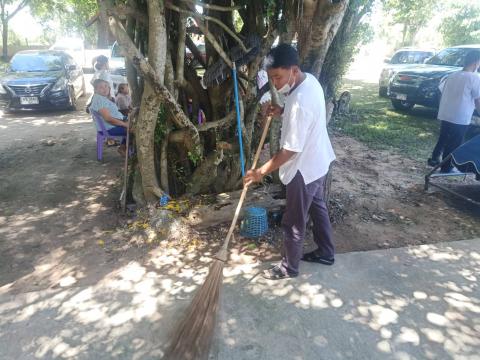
[(303, 162)]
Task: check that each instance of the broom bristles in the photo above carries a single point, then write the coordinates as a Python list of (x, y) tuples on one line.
[(192, 338)]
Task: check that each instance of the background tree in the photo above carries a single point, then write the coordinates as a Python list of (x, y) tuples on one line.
[(71, 17), (412, 14), (8, 9), (462, 24), (353, 32)]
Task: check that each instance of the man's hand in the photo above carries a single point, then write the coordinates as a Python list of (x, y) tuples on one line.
[(252, 176), (274, 110)]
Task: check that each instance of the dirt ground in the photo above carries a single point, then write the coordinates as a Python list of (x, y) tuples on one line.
[(57, 201), (377, 200), (381, 202), (60, 224)]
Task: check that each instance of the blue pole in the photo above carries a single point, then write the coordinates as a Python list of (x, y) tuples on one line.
[(239, 124)]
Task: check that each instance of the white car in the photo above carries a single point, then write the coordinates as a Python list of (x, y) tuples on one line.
[(73, 47), (118, 70), (401, 60)]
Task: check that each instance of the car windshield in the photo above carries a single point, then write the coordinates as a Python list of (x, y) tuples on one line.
[(36, 62), (449, 57), (65, 48), (117, 51), (410, 57)]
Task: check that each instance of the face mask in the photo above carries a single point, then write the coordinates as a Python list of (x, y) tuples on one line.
[(285, 89)]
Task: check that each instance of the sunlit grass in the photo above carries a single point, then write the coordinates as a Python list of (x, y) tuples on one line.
[(376, 123)]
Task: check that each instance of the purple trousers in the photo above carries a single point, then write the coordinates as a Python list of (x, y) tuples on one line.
[(303, 200)]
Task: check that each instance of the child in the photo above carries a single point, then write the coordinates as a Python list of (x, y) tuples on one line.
[(123, 99)]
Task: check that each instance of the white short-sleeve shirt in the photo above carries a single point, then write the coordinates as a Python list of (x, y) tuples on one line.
[(304, 131), (459, 91)]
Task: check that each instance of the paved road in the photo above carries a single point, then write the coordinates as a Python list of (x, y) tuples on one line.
[(410, 303)]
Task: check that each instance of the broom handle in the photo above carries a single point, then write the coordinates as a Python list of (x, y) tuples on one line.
[(125, 170), (222, 253)]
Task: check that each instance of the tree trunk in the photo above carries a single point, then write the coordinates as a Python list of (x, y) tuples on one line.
[(150, 105), (5, 40), (404, 33), (325, 23), (102, 25), (132, 75), (145, 132)]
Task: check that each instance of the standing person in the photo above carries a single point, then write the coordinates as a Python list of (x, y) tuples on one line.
[(460, 96), (123, 99), (102, 71), (303, 162)]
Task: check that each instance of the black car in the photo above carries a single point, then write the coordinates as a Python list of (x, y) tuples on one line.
[(419, 84), (41, 79)]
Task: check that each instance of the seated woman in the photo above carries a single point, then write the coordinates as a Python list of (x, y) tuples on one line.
[(114, 121)]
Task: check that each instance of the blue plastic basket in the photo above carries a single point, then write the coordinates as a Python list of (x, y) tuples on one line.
[(255, 223)]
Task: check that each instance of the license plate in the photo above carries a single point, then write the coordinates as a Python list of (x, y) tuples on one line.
[(401, 97), (30, 100)]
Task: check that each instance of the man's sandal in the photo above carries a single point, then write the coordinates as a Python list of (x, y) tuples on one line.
[(275, 273)]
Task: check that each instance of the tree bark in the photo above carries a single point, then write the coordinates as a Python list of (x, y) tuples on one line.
[(102, 25), (150, 105), (145, 131), (5, 40), (323, 21), (132, 75)]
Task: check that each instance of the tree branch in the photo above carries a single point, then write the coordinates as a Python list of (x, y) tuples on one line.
[(218, 48), (137, 59), (20, 7), (227, 120), (182, 33), (210, 6), (124, 10), (92, 20), (195, 52), (198, 16)]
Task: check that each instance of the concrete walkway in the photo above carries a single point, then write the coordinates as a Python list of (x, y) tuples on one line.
[(410, 303)]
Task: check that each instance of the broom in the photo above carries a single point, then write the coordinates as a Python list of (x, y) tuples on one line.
[(192, 338), (123, 196)]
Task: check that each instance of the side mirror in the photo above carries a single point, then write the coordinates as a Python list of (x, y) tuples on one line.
[(425, 61), (386, 61), (72, 67)]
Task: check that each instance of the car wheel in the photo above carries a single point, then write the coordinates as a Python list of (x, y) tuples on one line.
[(84, 88), (402, 105), (73, 99)]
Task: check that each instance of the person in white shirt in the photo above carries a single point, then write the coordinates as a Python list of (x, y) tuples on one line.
[(460, 97), (102, 71), (303, 162)]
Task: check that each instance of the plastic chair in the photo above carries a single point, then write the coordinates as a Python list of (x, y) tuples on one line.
[(102, 134)]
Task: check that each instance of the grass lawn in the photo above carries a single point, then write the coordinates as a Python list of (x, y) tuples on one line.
[(376, 123)]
